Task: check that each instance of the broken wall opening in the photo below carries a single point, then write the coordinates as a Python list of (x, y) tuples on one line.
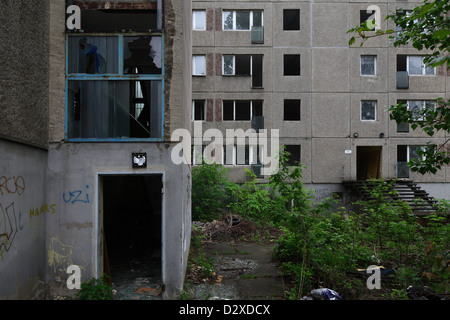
[(132, 223)]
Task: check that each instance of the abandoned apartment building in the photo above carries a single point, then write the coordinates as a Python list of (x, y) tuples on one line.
[(88, 111), (287, 65), (87, 115)]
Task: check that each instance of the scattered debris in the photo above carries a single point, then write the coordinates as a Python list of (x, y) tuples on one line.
[(325, 294), (149, 291), (423, 293), (383, 271)]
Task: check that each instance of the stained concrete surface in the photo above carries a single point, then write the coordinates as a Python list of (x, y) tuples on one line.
[(243, 271)]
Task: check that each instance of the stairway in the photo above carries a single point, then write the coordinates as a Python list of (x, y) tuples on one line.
[(420, 202)]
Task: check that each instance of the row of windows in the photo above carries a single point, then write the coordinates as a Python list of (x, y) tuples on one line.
[(247, 64), (245, 110), (244, 20), (239, 155)]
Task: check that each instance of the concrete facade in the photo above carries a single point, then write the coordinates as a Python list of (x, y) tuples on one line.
[(53, 189), (330, 86)]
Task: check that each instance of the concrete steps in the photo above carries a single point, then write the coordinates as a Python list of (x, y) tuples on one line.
[(420, 202)]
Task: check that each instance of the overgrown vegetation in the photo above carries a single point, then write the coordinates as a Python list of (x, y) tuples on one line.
[(323, 244), (95, 289)]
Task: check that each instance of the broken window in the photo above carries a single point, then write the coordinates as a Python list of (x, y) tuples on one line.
[(199, 65), (107, 16), (199, 20), (368, 65), (105, 109), (292, 110), (115, 80), (291, 19), (242, 19), (198, 110), (368, 110), (241, 110), (291, 64)]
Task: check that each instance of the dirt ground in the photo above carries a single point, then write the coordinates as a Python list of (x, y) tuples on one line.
[(244, 268)]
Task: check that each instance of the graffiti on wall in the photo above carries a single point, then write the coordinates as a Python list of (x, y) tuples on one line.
[(76, 196), (9, 226), (59, 255), (45, 208), (12, 185)]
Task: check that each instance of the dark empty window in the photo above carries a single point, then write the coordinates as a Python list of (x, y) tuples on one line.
[(115, 16), (291, 19), (366, 15), (242, 64), (401, 62), (294, 154), (291, 64), (292, 110), (228, 110), (198, 111), (241, 110)]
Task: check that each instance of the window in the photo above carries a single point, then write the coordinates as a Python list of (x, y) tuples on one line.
[(199, 65), (295, 154), (368, 110), (242, 20), (291, 19), (236, 65), (417, 107), (127, 103), (241, 155), (416, 66), (368, 65), (241, 110), (367, 15), (405, 154), (291, 64), (199, 20), (198, 110), (291, 110), (244, 65)]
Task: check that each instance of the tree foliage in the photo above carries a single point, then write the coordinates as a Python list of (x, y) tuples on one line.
[(426, 27)]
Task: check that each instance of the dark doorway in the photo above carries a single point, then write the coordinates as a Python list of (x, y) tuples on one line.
[(132, 210), (368, 162)]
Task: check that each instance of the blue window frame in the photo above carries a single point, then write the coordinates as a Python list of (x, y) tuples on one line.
[(114, 87)]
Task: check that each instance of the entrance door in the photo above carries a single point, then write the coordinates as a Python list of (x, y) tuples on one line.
[(132, 209), (368, 164)]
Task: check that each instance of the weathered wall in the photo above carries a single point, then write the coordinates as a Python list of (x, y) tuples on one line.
[(23, 210), (74, 232), (24, 99), (24, 71)]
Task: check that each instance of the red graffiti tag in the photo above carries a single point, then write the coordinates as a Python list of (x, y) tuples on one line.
[(12, 185)]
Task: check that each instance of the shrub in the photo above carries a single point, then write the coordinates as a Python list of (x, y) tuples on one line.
[(95, 289), (210, 187)]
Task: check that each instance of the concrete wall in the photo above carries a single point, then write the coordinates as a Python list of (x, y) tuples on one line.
[(330, 86), (74, 234), (23, 212), (24, 100), (24, 73)]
